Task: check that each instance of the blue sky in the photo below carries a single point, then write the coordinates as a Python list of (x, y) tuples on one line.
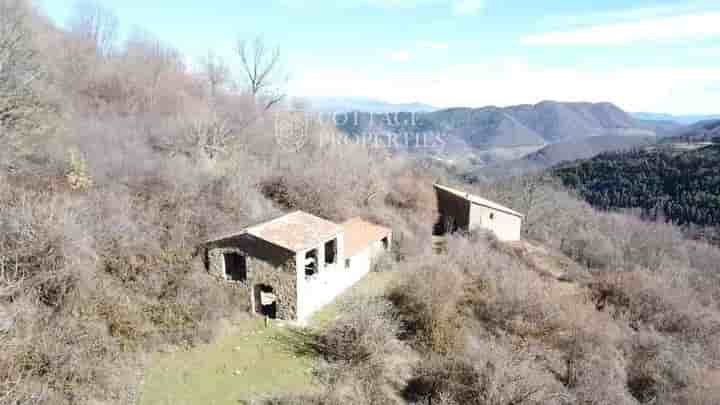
[(660, 56)]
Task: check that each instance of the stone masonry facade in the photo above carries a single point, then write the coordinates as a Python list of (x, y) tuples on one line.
[(266, 265)]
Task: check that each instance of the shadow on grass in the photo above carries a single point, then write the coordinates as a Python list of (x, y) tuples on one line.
[(342, 346), (301, 342)]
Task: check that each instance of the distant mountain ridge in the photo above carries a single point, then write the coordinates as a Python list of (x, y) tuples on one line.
[(349, 104), (556, 153), (586, 148), (678, 119), (503, 127), (704, 131)]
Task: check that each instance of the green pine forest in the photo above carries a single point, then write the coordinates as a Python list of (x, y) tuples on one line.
[(679, 187)]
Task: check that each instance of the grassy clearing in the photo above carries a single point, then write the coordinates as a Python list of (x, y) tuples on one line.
[(252, 363), (238, 367)]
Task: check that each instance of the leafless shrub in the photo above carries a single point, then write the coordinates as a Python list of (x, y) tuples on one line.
[(496, 377), (215, 72), (651, 300), (428, 300), (20, 70), (660, 368), (90, 277), (365, 361)]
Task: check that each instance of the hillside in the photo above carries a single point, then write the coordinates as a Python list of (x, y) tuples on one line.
[(517, 126), (705, 131), (119, 161), (683, 188), (554, 154), (677, 119)]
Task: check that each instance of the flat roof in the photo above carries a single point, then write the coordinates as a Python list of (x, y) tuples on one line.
[(479, 200), (360, 234), (296, 231)]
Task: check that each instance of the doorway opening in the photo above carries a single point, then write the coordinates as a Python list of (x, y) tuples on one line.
[(266, 303)]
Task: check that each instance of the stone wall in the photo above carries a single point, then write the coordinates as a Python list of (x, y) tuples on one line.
[(283, 282), (267, 264), (216, 260)]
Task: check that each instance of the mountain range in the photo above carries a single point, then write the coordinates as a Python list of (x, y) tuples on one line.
[(348, 104), (491, 127), (370, 105), (678, 119), (704, 131)]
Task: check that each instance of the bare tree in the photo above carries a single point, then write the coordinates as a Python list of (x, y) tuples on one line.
[(95, 24), (215, 72), (154, 66), (17, 68), (261, 68)]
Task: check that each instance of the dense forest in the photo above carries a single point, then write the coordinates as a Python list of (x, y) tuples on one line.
[(682, 188)]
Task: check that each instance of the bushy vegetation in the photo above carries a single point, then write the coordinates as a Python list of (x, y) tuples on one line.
[(118, 161), (638, 321)]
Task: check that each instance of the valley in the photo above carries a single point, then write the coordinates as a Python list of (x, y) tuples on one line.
[(174, 229)]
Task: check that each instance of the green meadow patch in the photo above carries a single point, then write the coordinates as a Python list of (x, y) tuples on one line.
[(252, 363)]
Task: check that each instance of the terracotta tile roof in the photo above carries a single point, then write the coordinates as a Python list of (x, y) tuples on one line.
[(479, 200), (360, 234), (296, 231)]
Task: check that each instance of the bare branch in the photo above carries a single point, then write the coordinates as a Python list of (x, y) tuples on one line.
[(215, 71), (18, 69), (95, 24), (261, 68)]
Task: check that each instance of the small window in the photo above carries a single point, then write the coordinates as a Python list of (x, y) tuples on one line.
[(331, 252), (386, 242), (347, 263), (492, 215), (235, 267), (311, 263)]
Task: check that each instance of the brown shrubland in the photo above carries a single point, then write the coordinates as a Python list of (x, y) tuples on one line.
[(118, 160)]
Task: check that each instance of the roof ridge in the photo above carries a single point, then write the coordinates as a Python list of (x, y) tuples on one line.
[(479, 200), (296, 230), (273, 220)]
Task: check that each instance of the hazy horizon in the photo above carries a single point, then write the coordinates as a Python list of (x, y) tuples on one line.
[(649, 56)]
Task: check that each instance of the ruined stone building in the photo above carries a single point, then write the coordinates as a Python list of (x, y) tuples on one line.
[(295, 264), (459, 210)]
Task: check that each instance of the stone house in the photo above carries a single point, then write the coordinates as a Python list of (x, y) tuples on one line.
[(293, 265), (459, 210)]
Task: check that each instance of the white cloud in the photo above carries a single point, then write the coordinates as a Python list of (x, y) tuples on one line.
[(663, 29), (680, 90), (468, 7), (620, 15), (399, 56)]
